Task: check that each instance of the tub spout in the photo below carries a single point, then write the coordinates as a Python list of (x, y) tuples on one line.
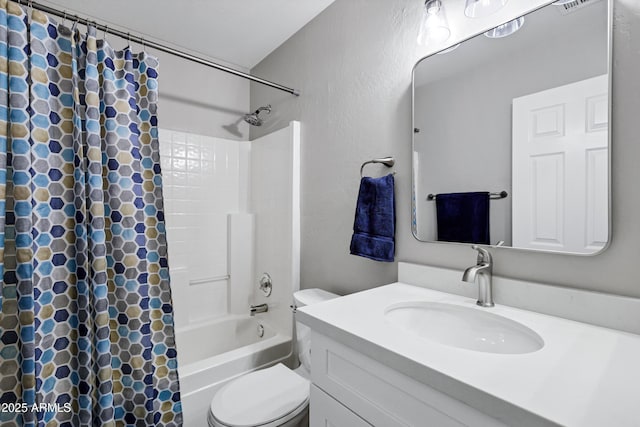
[(261, 308)]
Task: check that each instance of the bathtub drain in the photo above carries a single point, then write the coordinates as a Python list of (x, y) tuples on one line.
[(260, 330)]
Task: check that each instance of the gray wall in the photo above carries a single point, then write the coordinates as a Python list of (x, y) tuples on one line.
[(353, 64), (465, 116), (201, 100)]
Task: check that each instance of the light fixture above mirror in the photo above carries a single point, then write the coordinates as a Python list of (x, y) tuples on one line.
[(434, 28), (505, 29), (482, 8)]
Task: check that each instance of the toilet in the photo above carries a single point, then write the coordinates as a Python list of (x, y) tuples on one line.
[(275, 396)]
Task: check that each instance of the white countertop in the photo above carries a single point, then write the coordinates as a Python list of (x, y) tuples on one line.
[(583, 376)]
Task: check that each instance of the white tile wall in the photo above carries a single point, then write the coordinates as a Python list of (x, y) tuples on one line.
[(202, 185)]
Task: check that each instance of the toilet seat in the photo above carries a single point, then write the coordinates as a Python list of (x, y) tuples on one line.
[(266, 398)]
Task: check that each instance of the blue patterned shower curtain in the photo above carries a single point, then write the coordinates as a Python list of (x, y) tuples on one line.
[(86, 326)]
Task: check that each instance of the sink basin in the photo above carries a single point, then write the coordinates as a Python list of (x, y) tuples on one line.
[(463, 327)]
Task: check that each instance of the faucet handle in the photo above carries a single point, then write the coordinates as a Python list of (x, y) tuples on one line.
[(483, 254)]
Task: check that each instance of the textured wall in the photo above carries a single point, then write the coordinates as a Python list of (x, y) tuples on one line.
[(201, 100), (353, 65)]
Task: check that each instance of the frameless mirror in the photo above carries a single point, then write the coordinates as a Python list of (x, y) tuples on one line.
[(511, 136)]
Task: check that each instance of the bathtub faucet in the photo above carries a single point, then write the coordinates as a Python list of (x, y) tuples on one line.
[(261, 308)]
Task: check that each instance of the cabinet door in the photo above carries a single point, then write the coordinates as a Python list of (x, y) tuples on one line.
[(383, 396), (325, 411)]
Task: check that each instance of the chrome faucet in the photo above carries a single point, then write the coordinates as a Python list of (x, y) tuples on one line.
[(260, 308), (482, 271)]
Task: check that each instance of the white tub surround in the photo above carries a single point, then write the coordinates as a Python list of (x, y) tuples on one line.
[(205, 188), (232, 213), (583, 376), (275, 203)]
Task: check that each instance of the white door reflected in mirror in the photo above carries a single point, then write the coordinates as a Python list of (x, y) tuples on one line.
[(560, 154)]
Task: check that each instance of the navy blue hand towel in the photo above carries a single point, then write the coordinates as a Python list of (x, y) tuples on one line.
[(375, 222), (463, 217)]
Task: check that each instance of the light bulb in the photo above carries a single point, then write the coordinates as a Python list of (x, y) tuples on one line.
[(505, 29), (434, 28), (480, 8)]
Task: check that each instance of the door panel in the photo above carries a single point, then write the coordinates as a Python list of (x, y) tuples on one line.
[(560, 168)]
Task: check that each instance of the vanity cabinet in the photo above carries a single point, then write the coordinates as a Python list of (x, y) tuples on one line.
[(350, 389), (326, 411), (398, 373)]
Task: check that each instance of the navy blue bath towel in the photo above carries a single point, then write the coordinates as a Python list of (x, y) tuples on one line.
[(375, 222), (463, 217)]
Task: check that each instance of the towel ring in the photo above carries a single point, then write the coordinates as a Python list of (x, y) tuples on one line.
[(387, 161)]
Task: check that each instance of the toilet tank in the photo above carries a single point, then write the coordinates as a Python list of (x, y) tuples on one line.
[(312, 296), (303, 332)]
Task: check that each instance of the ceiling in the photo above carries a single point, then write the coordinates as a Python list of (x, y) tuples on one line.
[(239, 32)]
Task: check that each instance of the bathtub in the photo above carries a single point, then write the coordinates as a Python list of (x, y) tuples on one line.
[(214, 352)]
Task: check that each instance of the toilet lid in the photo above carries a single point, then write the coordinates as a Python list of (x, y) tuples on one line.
[(260, 397)]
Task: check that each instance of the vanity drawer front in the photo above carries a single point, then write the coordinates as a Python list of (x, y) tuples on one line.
[(325, 411), (383, 396)]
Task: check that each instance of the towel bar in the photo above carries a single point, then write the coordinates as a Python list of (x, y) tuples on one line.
[(387, 161), (500, 195)]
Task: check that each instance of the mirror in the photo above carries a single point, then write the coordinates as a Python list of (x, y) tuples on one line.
[(519, 126)]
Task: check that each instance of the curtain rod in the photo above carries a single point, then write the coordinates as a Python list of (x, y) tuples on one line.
[(155, 45)]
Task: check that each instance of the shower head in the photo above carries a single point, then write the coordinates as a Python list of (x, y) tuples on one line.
[(254, 118)]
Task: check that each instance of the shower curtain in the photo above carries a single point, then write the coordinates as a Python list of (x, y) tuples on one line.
[(86, 326)]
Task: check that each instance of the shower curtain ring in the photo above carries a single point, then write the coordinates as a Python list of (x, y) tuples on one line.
[(64, 19), (129, 40), (106, 30)]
